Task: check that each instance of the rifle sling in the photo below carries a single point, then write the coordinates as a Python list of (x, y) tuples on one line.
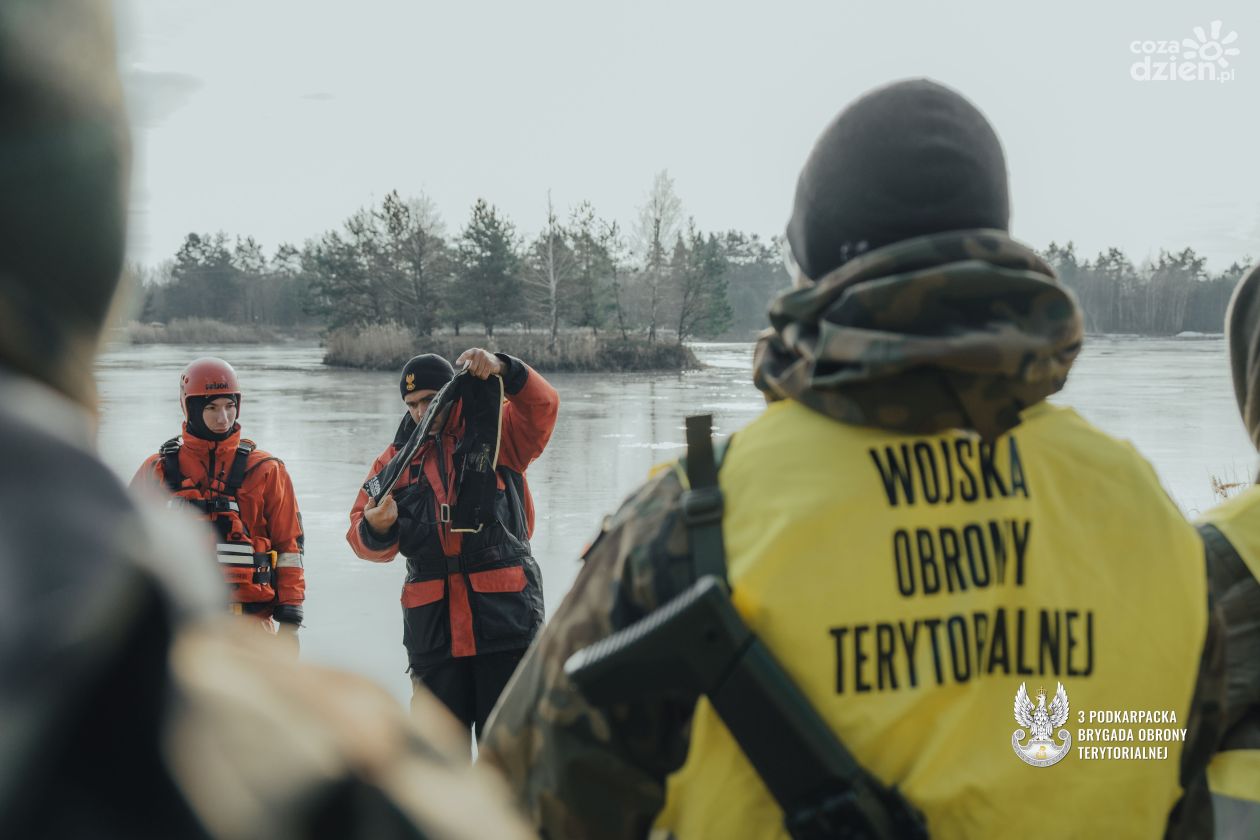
[(820, 786)]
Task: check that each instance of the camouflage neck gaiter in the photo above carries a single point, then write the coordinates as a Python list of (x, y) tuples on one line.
[(954, 330)]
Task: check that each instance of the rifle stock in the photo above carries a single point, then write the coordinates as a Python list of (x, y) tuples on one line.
[(697, 644)]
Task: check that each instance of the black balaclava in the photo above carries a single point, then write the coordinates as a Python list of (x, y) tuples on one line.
[(424, 373), (908, 159), (196, 423)]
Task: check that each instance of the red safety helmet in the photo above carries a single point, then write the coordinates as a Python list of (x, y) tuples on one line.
[(208, 377)]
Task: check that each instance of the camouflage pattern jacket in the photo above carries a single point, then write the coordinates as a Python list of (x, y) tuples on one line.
[(580, 771)]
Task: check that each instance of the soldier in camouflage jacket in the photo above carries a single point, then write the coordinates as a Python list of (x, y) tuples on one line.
[(915, 323)]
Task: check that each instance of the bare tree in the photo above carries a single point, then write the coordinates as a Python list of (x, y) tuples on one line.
[(551, 268), (657, 231), (612, 241)]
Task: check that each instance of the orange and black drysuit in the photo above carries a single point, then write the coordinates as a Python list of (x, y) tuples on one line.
[(467, 594), (247, 497)]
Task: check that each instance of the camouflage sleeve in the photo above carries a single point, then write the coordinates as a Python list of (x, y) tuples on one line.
[(1235, 767), (1222, 756), (578, 770)]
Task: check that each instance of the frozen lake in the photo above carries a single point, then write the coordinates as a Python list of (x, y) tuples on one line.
[(1171, 397)]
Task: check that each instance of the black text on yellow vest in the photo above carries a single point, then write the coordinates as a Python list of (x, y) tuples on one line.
[(698, 644)]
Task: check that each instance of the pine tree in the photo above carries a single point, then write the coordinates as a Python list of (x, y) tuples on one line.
[(754, 276), (489, 282), (588, 302), (413, 260), (345, 287), (205, 283), (700, 270)]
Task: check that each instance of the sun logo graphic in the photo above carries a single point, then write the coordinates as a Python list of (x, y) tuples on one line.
[(1210, 46), (1207, 57)]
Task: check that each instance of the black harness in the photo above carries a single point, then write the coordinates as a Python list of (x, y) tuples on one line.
[(231, 553)]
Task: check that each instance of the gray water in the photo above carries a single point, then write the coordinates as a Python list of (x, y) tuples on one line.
[(1171, 397)]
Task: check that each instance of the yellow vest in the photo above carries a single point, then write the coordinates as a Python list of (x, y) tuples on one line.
[(1236, 773), (910, 585), (1238, 519)]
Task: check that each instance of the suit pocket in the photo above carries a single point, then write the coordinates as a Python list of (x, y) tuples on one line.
[(417, 528), (511, 579), (421, 593), (425, 627), (503, 603)]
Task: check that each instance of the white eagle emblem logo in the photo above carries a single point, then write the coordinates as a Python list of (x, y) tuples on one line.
[(1041, 749)]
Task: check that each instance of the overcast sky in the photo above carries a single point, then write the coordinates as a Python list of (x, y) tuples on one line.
[(278, 119)]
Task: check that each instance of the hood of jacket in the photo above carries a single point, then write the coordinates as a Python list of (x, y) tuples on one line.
[(1242, 333), (963, 330)]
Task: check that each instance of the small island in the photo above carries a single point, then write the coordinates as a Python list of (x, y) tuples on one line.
[(389, 346), (582, 294)]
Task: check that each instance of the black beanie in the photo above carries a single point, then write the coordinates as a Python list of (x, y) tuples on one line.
[(196, 422), (424, 373), (908, 159)]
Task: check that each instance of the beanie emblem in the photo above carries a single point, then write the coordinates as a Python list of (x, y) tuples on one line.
[(411, 382)]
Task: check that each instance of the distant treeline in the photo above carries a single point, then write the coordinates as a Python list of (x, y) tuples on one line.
[(1170, 295), (663, 280)]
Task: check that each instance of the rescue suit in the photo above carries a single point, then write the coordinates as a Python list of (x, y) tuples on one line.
[(466, 594), (247, 497)]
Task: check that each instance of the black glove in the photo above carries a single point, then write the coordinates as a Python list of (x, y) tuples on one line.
[(288, 614)]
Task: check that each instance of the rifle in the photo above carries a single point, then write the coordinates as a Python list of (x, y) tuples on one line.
[(697, 643), (380, 484)]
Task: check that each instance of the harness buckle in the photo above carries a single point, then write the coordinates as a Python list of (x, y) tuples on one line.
[(444, 513), (702, 506)]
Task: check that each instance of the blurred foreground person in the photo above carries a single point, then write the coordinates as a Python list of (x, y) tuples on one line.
[(129, 707), (1231, 532), (941, 572), (243, 492)]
